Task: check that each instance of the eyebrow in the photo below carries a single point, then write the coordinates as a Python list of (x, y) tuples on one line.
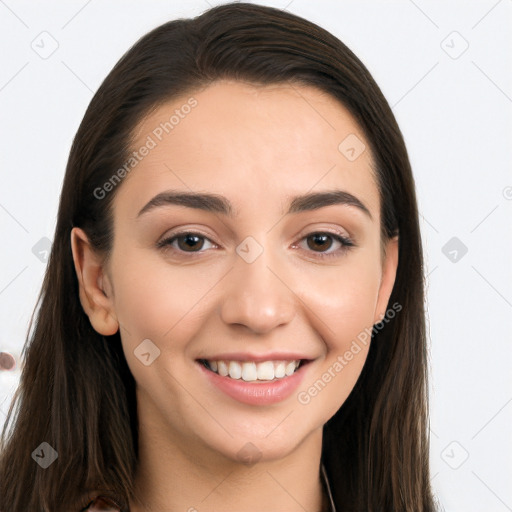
[(219, 204)]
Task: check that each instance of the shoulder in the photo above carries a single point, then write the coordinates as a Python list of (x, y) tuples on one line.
[(102, 504)]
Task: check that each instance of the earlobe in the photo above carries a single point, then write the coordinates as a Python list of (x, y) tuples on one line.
[(389, 269), (92, 281)]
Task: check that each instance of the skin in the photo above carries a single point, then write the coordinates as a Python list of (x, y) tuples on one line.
[(257, 146)]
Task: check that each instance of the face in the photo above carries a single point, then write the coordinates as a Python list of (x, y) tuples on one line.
[(251, 276)]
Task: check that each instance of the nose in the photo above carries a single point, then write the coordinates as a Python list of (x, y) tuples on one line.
[(258, 296)]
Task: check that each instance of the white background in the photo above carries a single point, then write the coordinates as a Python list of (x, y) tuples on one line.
[(454, 108)]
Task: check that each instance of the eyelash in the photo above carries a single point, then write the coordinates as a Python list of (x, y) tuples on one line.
[(346, 243)]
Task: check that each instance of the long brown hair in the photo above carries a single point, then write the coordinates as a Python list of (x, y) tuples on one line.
[(76, 391)]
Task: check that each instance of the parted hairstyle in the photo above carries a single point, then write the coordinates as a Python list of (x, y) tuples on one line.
[(76, 391)]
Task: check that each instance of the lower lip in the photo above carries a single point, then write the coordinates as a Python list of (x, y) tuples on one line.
[(256, 392)]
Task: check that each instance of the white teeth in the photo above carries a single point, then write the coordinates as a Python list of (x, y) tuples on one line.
[(290, 368), (235, 370), (250, 371), (266, 370), (280, 370), (222, 368)]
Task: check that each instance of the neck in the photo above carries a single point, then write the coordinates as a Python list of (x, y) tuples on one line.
[(173, 476)]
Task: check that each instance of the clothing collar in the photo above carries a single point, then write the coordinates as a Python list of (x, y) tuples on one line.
[(328, 488)]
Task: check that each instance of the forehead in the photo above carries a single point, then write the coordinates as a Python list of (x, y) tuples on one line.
[(250, 142)]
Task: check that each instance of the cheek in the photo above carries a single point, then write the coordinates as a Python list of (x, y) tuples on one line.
[(343, 299), (343, 303), (159, 301)]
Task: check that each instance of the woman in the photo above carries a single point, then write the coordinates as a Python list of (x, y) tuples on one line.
[(232, 315)]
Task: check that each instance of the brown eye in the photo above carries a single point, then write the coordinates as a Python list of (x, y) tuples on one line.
[(320, 241), (190, 242), (186, 243)]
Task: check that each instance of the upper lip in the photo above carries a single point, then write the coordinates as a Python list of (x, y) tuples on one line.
[(244, 356)]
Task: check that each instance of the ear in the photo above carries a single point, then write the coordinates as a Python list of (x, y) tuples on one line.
[(389, 266), (96, 294)]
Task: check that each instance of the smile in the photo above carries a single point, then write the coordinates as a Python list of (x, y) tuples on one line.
[(251, 371), (255, 380)]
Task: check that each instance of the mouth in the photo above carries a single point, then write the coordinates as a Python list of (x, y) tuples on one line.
[(255, 379), (254, 371)]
